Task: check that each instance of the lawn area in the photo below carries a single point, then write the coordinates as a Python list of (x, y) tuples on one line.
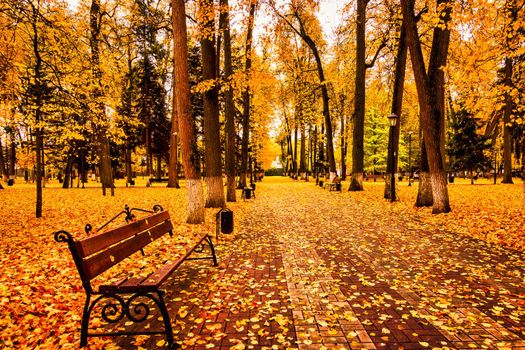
[(42, 298)]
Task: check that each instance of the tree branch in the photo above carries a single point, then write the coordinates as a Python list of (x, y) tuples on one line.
[(378, 51)]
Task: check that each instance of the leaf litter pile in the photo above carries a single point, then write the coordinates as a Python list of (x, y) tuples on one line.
[(304, 269)]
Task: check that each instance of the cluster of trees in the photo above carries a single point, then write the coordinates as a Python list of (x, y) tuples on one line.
[(452, 71), (91, 87), (108, 81)]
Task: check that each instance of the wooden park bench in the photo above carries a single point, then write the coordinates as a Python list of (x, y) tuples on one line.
[(335, 185), (127, 296)]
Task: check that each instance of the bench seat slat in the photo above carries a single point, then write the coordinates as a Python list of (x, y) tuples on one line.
[(128, 283), (101, 241), (158, 277), (98, 263), (153, 281)]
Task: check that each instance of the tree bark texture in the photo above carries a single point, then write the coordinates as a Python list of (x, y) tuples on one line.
[(173, 166), (106, 176), (129, 172), (296, 136), (3, 165), (39, 137), (12, 155), (302, 162), (507, 136), (229, 108), (212, 141), (190, 154), (428, 88), (397, 105), (246, 96), (358, 152), (344, 135), (68, 170), (424, 189)]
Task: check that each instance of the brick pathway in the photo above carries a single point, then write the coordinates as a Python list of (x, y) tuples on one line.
[(312, 269)]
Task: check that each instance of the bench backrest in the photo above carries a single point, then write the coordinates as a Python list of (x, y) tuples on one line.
[(98, 253)]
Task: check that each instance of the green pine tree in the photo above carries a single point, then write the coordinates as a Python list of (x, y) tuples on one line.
[(466, 148)]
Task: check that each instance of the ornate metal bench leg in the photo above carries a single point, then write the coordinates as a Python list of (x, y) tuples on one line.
[(167, 323), (212, 248), (85, 322)]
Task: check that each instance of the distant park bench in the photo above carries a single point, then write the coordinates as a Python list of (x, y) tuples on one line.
[(152, 180), (124, 296), (248, 192), (335, 185)]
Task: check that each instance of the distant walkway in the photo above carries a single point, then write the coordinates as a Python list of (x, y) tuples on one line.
[(312, 269)]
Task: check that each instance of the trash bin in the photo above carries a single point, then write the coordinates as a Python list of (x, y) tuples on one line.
[(224, 221), (247, 193), (338, 187), (321, 183)]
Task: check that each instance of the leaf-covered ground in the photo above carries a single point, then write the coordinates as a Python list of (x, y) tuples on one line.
[(305, 268)]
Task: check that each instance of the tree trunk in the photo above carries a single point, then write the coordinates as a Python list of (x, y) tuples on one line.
[(424, 190), (296, 132), (229, 108), (3, 165), (507, 137), (212, 141), (129, 171), (106, 176), (428, 88), (289, 157), (39, 138), (68, 170), (83, 172), (173, 166), (302, 162), (397, 105), (326, 112), (39, 149), (12, 156), (359, 102), (344, 137), (190, 154), (246, 96), (149, 152)]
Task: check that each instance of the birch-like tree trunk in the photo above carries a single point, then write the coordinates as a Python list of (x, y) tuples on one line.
[(212, 141), (190, 154), (429, 92)]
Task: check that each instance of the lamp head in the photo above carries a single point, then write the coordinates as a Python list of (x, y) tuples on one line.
[(392, 119)]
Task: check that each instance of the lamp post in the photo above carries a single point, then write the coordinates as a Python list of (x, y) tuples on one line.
[(392, 120), (410, 158)]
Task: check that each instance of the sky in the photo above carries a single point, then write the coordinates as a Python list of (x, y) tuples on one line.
[(328, 15)]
